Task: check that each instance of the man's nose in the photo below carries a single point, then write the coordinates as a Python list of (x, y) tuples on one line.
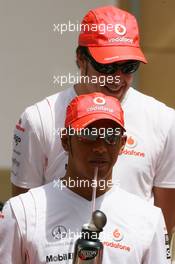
[(114, 77), (100, 146), (118, 73)]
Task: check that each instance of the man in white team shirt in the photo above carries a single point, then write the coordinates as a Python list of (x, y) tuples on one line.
[(146, 166), (42, 225)]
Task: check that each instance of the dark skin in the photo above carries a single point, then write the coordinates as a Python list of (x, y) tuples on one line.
[(84, 157), (164, 197)]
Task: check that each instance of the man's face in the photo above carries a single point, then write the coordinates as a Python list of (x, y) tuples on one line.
[(115, 85), (86, 155)]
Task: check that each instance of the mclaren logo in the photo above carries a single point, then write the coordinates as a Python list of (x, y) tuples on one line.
[(59, 232)]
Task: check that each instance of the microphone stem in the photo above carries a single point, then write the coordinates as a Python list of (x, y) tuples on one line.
[(94, 189)]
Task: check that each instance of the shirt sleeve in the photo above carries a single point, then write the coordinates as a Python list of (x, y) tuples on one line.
[(165, 172), (11, 251), (159, 249), (28, 158)]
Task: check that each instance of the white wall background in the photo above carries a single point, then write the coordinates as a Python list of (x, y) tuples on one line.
[(31, 53)]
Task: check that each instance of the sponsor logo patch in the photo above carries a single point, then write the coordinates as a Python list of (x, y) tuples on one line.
[(87, 254), (59, 232), (131, 142), (120, 29), (130, 146), (167, 245), (99, 101), (17, 139), (59, 257), (19, 126), (117, 235), (15, 162)]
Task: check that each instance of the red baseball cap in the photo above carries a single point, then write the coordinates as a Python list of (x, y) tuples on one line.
[(88, 108), (111, 34)]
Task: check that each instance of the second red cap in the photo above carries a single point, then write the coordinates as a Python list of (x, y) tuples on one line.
[(111, 34), (88, 108)]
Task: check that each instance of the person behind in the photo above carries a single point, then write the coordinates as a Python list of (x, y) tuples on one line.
[(41, 226), (108, 54)]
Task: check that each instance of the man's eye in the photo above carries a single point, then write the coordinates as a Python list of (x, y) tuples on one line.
[(113, 138)]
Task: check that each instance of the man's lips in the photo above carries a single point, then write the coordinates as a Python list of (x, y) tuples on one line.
[(98, 162)]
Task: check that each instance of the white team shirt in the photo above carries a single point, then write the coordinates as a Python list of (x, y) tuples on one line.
[(146, 161), (41, 226)]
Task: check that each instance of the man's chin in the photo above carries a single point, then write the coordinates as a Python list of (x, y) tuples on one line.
[(118, 92)]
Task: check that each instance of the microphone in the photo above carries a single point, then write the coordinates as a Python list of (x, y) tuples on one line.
[(88, 248)]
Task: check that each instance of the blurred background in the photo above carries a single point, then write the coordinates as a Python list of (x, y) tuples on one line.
[(32, 53)]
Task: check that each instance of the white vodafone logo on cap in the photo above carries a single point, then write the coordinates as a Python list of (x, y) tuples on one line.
[(99, 100), (120, 29)]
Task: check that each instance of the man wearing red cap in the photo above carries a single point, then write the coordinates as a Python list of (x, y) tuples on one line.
[(146, 166), (41, 226)]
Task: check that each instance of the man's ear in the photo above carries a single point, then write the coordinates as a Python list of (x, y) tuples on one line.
[(123, 142), (64, 140)]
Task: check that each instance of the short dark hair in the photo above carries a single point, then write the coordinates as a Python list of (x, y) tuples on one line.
[(82, 50)]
